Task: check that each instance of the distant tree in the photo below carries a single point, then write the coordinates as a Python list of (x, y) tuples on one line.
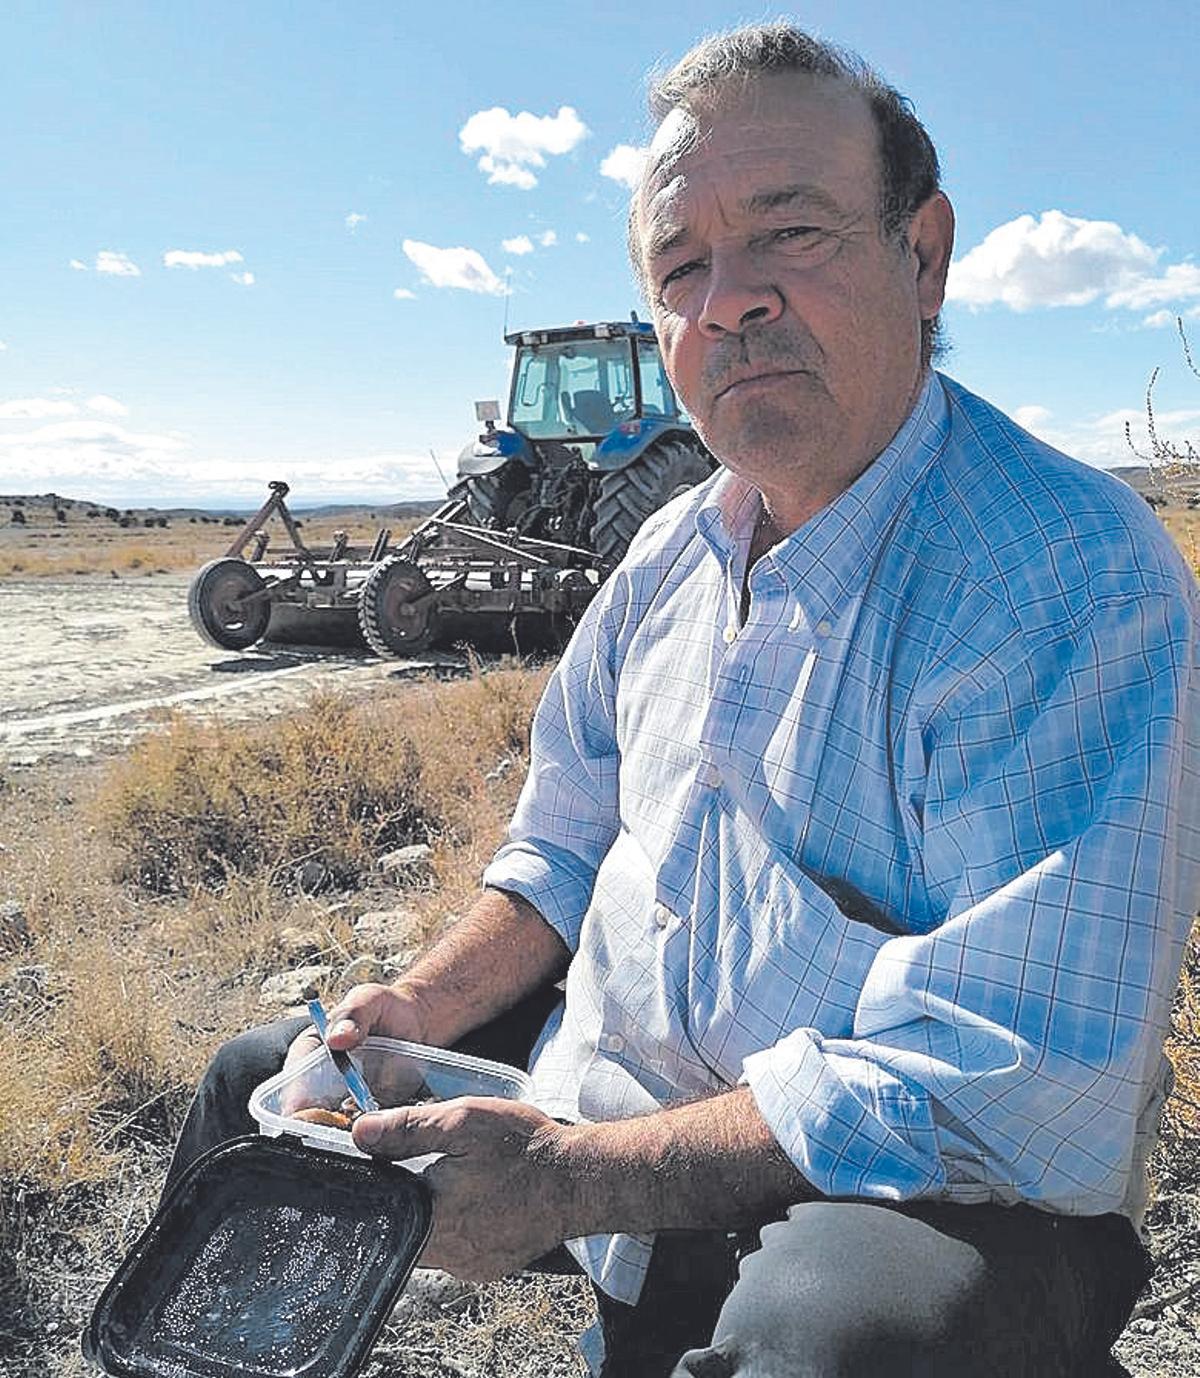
[(60, 515), (18, 517)]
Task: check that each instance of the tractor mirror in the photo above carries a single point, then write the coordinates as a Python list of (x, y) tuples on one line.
[(487, 411)]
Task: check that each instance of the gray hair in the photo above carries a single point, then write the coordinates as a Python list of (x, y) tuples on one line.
[(908, 162)]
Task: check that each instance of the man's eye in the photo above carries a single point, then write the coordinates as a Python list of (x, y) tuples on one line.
[(677, 274), (801, 234)]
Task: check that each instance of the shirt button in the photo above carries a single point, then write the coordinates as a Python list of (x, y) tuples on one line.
[(729, 635), (662, 915), (612, 1043), (823, 628)]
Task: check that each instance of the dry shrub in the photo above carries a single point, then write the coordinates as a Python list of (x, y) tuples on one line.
[(199, 802), (1183, 1047), (339, 782), (85, 1059)]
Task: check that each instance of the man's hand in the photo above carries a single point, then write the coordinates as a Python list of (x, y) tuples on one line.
[(386, 1011), (498, 1194)]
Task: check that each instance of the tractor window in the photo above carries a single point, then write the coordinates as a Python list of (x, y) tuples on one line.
[(657, 397), (574, 388), (534, 397)]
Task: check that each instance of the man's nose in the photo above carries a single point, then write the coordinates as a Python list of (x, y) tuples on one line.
[(738, 296)]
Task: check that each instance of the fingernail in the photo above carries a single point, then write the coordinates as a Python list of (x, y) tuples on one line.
[(370, 1129), (343, 1026)]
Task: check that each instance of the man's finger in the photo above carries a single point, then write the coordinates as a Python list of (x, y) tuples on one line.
[(355, 1015), (402, 1132)]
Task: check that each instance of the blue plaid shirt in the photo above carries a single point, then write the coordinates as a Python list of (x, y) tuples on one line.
[(912, 852)]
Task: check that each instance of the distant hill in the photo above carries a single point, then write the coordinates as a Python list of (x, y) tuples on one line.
[(1165, 487), (398, 511)]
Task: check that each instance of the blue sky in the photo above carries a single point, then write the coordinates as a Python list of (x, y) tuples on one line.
[(209, 210)]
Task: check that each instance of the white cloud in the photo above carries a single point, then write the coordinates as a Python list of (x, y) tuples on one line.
[(547, 239), (243, 279), (354, 220), (520, 244), (581, 238), (198, 258), (1158, 319), (507, 174), (94, 458), (1101, 440), (1032, 416), (1180, 282), (510, 145), (79, 266), (465, 269), (107, 406), (624, 164), (1062, 260), (108, 463), (115, 264), (403, 294), (35, 409)]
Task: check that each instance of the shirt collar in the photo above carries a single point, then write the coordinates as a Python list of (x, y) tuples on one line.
[(827, 559)]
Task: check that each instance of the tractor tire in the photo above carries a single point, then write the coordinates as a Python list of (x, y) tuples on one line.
[(215, 608), (489, 496), (389, 623), (628, 496)]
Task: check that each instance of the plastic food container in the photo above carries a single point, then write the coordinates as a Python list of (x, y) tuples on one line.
[(267, 1260), (397, 1072)]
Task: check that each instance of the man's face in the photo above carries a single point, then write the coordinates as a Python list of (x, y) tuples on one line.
[(789, 327)]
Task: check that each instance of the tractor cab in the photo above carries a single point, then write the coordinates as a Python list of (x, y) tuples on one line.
[(569, 385)]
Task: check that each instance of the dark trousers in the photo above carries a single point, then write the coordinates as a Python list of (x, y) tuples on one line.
[(832, 1289)]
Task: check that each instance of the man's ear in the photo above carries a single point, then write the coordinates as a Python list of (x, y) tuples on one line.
[(931, 235)]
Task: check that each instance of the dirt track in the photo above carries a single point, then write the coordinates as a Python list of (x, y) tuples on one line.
[(87, 664)]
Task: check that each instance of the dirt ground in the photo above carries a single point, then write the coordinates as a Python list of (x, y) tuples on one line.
[(89, 663)]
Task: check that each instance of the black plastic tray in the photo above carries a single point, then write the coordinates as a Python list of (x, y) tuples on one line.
[(267, 1260)]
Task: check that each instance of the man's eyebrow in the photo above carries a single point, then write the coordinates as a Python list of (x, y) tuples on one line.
[(778, 197), (665, 238)]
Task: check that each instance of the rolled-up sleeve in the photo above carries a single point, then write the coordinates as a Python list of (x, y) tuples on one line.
[(1005, 1053)]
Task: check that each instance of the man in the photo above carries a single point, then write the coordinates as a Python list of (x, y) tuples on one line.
[(861, 819)]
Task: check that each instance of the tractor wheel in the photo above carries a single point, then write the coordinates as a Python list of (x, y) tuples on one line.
[(489, 496), (389, 622), (216, 608), (628, 496)]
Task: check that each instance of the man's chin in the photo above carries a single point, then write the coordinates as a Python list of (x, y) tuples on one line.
[(765, 431)]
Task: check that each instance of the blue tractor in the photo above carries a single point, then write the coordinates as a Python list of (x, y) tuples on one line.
[(543, 508), (594, 440)]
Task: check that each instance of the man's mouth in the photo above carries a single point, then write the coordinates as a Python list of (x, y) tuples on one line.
[(763, 376)]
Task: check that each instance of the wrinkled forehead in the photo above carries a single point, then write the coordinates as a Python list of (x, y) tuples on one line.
[(823, 120), (820, 124)]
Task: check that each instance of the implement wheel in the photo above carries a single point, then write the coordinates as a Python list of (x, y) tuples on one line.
[(628, 496), (390, 623), (217, 609)]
